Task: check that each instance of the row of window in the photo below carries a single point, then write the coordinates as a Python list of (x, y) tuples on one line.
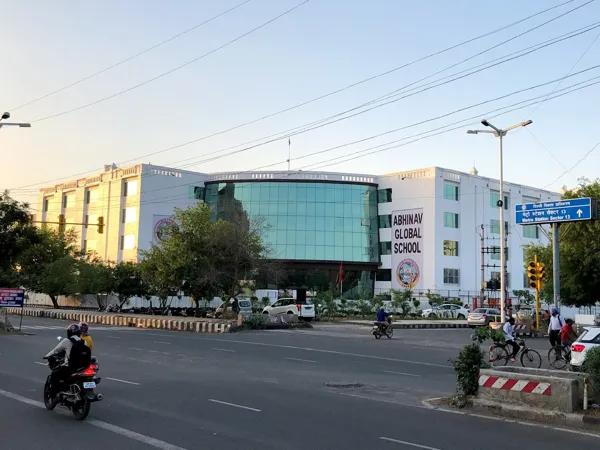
[(450, 249), (126, 242), (451, 193), (451, 276), (130, 188)]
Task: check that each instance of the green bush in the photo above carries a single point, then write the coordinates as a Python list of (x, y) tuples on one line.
[(467, 365), (486, 333), (255, 321), (591, 366)]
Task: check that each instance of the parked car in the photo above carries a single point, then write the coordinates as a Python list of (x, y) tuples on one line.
[(447, 311), (243, 307), (483, 316), (590, 337), (304, 309)]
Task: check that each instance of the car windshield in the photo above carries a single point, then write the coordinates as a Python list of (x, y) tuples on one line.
[(590, 335), (245, 303), (480, 311)]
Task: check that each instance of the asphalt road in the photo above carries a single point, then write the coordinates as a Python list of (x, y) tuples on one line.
[(326, 388)]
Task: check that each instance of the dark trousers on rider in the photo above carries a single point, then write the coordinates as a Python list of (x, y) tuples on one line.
[(515, 347), (58, 376), (554, 337)]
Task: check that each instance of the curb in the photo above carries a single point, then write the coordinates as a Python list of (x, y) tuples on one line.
[(194, 326), (476, 406), (412, 326)]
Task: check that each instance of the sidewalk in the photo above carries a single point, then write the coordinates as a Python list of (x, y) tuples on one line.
[(192, 324)]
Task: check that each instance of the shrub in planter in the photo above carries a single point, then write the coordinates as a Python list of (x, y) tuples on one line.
[(591, 366), (255, 321), (467, 365)]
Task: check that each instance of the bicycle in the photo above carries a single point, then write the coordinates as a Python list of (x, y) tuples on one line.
[(499, 353), (559, 356)]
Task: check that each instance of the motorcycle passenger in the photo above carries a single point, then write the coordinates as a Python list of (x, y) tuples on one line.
[(85, 335), (382, 316), (62, 372)]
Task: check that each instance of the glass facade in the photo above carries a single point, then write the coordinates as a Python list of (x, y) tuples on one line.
[(306, 221)]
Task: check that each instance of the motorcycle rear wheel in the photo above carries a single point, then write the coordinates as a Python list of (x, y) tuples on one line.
[(389, 332), (81, 409), (49, 402), (377, 335)]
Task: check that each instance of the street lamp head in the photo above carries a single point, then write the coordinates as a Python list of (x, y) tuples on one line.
[(485, 123), (25, 125), (471, 132), (529, 122), (6, 115)]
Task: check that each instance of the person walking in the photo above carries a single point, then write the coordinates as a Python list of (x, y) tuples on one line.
[(554, 327)]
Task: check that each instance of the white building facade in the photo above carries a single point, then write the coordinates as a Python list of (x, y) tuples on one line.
[(457, 208)]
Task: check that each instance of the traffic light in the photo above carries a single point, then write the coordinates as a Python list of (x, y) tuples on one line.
[(100, 225), (536, 273), (62, 225)]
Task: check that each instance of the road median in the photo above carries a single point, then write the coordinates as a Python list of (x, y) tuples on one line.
[(189, 324)]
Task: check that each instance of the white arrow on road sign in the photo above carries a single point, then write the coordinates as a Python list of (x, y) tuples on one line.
[(579, 212)]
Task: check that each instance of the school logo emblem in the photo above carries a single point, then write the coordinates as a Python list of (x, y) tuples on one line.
[(162, 229), (408, 273)]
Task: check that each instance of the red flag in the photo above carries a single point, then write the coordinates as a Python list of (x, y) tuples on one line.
[(340, 276)]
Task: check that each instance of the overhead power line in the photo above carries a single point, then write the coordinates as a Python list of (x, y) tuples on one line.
[(154, 47), (227, 44), (431, 55)]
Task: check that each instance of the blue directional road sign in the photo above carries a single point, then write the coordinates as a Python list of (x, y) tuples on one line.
[(571, 210)]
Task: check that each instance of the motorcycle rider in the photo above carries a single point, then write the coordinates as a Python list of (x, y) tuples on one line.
[(62, 373), (382, 316), (85, 335)]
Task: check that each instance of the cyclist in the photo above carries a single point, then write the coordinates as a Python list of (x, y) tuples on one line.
[(85, 335), (567, 334), (509, 332)]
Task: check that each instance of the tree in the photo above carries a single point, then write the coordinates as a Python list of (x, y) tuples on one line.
[(579, 256), (161, 278), (401, 300), (94, 278), (126, 282), (524, 296), (17, 234), (49, 265)]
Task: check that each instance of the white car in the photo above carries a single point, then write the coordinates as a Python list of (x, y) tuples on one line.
[(588, 339), (304, 310), (447, 311)]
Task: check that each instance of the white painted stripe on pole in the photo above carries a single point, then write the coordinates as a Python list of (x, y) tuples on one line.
[(411, 444), (103, 425), (122, 381), (402, 373), (519, 385), (234, 405), (499, 383), (301, 360)]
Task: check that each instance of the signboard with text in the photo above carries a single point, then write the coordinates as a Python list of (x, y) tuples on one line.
[(11, 298), (407, 249), (568, 210)]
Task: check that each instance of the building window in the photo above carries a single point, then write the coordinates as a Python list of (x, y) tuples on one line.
[(87, 197), (450, 192), (84, 246), (86, 221), (198, 193), (495, 253), (130, 215), (385, 221), (451, 248), (384, 195), (494, 197), (123, 213), (385, 248), (495, 226), (46, 203), (65, 201), (531, 232), (450, 220), (384, 275), (129, 242), (130, 188), (451, 276)]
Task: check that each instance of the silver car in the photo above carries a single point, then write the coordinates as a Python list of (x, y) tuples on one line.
[(483, 316)]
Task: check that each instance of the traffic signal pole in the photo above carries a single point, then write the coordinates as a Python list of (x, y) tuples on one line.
[(556, 265), (537, 301)]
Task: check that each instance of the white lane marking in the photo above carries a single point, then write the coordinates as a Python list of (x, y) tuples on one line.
[(103, 425), (137, 349), (234, 405), (122, 381), (301, 360), (40, 363), (331, 352), (112, 337), (401, 373), (162, 342), (411, 444), (223, 350), (156, 351)]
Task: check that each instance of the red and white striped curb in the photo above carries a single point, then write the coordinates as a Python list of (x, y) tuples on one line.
[(515, 385), (521, 327)]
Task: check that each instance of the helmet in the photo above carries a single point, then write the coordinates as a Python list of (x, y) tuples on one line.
[(73, 330), (84, 328), (554, 311)]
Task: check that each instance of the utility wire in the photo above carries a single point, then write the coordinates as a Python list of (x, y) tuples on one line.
[(174, 69), (576, 164), (154, 47)]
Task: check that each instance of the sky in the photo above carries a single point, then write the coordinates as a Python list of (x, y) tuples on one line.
[(318, 48)]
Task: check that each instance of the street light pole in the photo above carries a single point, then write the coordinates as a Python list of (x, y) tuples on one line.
[(500, 133)]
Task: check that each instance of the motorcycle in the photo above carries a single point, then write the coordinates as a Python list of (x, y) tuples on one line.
[(81, 388), (378, 329)]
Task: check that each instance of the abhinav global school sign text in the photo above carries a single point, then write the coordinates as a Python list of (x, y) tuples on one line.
[(407, 248)]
